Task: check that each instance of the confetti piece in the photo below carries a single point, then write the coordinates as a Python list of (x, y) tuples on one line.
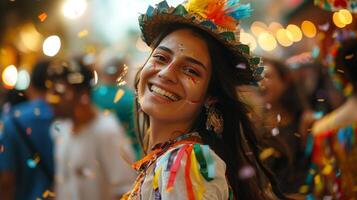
[(119, 95), (341, 71), (266, 153), (317, 179), (37, 112), (42, 17), (20, 94), (83, 33), (268, 106), (327, 170), (278, 118), (303, 189), (53, 99), (17, 113), (95, 77), (324, 27), (321, 100), (275, 131), (246, 172), (48, 194), (241, 66), (28, 131), (348, 57)]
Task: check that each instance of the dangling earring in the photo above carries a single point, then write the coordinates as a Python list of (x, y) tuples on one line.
[(214, 120)]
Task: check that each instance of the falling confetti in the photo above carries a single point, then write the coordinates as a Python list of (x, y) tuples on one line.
[(48, 194), (120, 79), (275, 131), (278, 118), (266, 153), (118, 95), (83, 33), (241, 66), (17, 113), (95, 77), (341, 71), (268, 106), (42, 17), (321, 100), (37, 112), (246, 172), (324, 27), (348, 57), (297, 135), (28, 131)]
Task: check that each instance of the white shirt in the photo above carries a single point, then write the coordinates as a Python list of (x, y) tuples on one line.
[(93, 163)]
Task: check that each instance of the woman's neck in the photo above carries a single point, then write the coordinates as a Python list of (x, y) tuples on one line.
[(163, 131)]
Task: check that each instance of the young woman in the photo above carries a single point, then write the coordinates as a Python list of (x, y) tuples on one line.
[(198, 138), (282, 116)]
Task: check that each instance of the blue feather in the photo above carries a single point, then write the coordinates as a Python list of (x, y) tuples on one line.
[(241, 12)]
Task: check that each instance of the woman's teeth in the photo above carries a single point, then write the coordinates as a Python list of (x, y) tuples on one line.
[(164, 93)]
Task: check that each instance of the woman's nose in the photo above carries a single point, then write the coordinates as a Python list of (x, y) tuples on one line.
[(168, 73)]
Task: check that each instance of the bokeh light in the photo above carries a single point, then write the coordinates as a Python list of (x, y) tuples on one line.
[(23, 80), (337, 20), (9, 76), (295, 32), (308, 28), (248, 39), (274, 27), (284, 38), (345, 16), (258, 28), (73, 9), (267, 41), (51, 45)]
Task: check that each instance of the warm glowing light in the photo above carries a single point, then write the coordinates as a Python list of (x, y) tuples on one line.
[(345, 16), (309, 29), (284, 38), (337, 20), (23, 80), (258, 28), (9, 76), (30, 37), (295, 32), (267, 41), (73, 9), (248, 39), (51, 45), (274, 27)]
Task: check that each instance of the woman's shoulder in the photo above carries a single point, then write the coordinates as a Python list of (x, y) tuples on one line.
[(191, 170)]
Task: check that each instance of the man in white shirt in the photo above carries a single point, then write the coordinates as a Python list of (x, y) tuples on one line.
[(92, 153)]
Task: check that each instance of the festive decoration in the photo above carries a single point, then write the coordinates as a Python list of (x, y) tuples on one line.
[(220, 18), (335, 5), (333, 169)]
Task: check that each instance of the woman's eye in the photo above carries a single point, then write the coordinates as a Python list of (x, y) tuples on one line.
[(190, 71), (160, 57)]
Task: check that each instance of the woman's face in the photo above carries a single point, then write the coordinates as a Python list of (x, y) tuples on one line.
[(272, 85), (174, 81)]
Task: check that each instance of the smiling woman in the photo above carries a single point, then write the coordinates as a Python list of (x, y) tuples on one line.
[(198, 139)]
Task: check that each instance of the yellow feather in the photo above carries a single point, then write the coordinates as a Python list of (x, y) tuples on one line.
[(197, 6)]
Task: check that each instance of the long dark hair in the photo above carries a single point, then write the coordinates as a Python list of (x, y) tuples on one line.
[(237, 146)]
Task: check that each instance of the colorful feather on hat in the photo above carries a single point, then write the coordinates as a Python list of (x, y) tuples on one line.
[(224, 13)]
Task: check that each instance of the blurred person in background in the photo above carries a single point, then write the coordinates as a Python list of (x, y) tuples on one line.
[(334, 152), (114, 96), (26, 158), (92, 151), (284, 106)]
